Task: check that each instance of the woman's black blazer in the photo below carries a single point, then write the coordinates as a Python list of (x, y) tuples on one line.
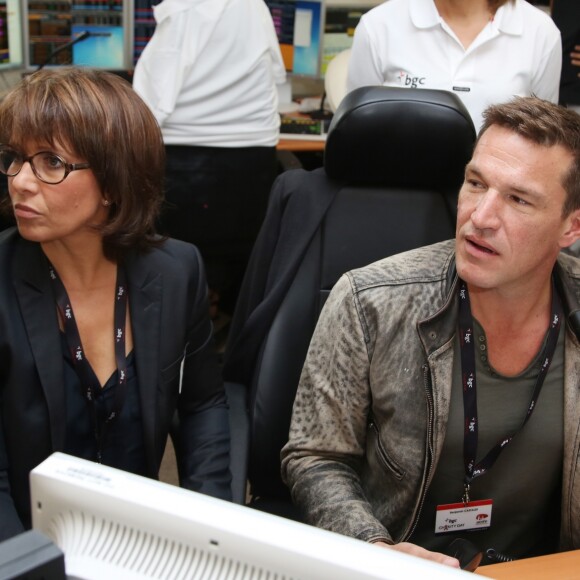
[(171, 330)]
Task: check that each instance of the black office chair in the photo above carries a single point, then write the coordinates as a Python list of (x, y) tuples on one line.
[(394, 162), (6, 220), (566, 16)]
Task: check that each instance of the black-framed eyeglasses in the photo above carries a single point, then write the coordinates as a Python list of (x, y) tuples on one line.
[(47, 166)]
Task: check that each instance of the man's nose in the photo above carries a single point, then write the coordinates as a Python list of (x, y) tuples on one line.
[(486, 212)]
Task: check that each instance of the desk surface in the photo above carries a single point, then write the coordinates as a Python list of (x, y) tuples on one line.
[(562, 566), (299, 145)]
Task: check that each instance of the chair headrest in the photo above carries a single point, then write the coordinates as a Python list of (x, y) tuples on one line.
[(400, 137)]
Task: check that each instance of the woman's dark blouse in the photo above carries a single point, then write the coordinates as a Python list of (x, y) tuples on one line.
[(123, 445)]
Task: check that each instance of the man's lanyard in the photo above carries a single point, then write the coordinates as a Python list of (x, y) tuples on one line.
[(89, 382), (468, 379)]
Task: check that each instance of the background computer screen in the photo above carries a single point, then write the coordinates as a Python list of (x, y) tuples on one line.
[(10, 34), (144, 26), (52, 26), (299, 26), (115, 525), (341, 20), (104, 48)]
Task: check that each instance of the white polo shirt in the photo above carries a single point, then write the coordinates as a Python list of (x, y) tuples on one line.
[(406, 43), (209, 73)]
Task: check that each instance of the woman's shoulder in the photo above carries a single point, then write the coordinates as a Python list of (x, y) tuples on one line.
[(179, 249), (170, 255), (9, 238)]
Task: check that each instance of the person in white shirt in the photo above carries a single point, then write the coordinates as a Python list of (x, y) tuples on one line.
[(209, 75), (485, 51)]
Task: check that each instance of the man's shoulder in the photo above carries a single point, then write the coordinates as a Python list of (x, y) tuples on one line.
[(421, 265), (570, 265)]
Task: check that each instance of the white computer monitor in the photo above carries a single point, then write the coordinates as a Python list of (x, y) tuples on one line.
[(10, 34), (115, 525), (341, 19)]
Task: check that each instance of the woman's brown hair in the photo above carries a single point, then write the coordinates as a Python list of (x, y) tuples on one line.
[(101, 118)]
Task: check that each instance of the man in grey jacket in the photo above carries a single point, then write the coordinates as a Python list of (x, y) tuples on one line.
[(441, 393)]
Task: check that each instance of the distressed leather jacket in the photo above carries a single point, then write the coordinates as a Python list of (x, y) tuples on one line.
[(371, 410)]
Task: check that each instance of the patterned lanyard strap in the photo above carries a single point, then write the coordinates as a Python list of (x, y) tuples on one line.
[(89, 382), (469, 382)]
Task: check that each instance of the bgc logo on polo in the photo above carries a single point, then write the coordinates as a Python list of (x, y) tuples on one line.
[(411, 82)]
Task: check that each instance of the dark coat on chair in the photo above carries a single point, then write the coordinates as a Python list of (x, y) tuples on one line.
[(171, 330), (566, 15), (298, 203)]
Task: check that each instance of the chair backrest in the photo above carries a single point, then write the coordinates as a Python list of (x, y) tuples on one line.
[(566, 16), (398, 157)]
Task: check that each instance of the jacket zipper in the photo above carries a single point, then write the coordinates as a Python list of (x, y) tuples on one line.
[(427, 385)]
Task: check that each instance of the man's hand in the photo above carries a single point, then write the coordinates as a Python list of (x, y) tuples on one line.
[(575, 56), (414, 550)]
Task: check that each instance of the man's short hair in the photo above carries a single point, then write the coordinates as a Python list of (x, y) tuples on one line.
[(545, 124)]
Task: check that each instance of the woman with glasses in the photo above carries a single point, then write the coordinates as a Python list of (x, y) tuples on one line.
[(104, 327)]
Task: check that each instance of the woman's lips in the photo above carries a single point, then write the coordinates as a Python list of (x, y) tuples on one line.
[(24, 211)]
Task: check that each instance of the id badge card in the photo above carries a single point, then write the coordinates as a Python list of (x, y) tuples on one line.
[(453, 517)]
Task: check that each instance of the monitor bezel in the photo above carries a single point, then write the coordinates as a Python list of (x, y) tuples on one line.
[(106, 506)]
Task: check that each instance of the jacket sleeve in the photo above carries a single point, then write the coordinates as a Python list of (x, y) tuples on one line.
[(204, 436), (10, 524), (322, 461)]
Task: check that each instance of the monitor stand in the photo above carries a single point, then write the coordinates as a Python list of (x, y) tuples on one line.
[(285, 103)]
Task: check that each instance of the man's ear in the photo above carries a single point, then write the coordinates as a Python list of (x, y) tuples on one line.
[(572, 231)]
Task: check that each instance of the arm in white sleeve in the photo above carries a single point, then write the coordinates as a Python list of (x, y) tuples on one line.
[(364, 66), (278, 69), (546, 81), (159, 71)]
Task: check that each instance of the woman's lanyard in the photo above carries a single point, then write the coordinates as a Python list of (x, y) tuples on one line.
[(89, 382), (467, 348)]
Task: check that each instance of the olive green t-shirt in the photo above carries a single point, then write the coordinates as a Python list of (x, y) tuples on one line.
[(525, 481)]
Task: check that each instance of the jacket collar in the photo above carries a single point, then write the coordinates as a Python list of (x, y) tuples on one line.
[(568, 283), (145, 291), (37, 303), (440, 327)]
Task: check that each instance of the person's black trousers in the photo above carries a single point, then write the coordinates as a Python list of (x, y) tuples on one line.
[(216, 198)]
